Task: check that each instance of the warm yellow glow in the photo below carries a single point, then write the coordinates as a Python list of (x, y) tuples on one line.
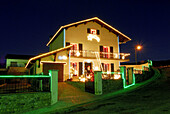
[(62, 57), (92, 36), (123, 57), (138, 47), (94, 18), (116, 55), (96, 68), (82, 79), (117, 76), (52, 62), (78, 54)]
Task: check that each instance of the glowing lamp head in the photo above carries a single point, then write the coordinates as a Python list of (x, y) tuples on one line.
[(138, 47)]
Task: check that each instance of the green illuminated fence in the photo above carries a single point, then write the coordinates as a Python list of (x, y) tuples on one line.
[(24, 83)]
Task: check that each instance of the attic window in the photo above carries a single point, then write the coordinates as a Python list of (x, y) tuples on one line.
[(93, 31)]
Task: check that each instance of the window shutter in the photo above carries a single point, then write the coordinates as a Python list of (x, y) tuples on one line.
[(101, 50), (80, 68), (102, 66), (88, 30), (81, 49), (67, 43), (98, 32), (111, 52), (112, 67)]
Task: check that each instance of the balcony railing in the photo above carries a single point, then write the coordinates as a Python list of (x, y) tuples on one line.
[(94, 54)]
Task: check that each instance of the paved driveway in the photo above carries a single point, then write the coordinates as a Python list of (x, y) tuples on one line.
[(72, 95)]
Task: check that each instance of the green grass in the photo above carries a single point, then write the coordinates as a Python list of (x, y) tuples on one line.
[(80, 85)]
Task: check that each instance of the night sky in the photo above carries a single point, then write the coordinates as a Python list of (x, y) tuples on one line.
[(25, 25)]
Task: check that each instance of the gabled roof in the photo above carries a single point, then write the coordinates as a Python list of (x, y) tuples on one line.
[(15, 56), (46, 54), (122, 37)]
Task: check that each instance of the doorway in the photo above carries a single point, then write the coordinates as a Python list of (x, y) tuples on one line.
[(88, 68)]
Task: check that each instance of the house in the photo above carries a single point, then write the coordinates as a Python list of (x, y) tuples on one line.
[(15, 64), (81, 48)]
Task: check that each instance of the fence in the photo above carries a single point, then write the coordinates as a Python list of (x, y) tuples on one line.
[(111, 75), (24, 83)]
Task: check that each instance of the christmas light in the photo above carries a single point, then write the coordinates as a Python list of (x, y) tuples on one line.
[(93, 36), (83, 21)]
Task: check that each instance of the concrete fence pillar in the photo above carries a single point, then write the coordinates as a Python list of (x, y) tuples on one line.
[(123, 72), (98, 82), (54, 86), (130, 75)]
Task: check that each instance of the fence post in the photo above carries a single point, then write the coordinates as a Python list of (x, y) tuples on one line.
[(98, 82), (130, 75), (54, 86), (123, 74), (40, 85)]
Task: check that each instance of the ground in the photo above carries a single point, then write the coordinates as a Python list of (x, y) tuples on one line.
[(154, 98)]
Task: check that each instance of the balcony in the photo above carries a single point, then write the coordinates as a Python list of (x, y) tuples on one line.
[(102, 55)]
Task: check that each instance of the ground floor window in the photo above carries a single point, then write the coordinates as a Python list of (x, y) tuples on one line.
[(73, 69), (105, 67)]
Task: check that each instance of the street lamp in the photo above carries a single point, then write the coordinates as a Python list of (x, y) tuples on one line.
[(137, 48)]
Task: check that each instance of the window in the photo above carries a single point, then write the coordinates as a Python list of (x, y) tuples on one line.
[(74, 49), (105, 67), (13, 64), (67, 43), (93, 31), (73, 69), (104, 52)]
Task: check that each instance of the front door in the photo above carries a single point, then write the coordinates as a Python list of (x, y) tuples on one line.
[(88, 67)]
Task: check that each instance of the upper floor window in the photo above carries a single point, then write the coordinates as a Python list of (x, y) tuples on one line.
[(104, 52), (13, 64), (93, 31)]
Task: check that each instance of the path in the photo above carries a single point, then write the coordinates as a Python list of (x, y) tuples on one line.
[(153, 98)]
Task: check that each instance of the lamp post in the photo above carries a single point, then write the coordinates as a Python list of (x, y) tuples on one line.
[(138, 47)]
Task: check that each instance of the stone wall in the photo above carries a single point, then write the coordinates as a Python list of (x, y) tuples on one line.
[(23, 102), (112, 85)]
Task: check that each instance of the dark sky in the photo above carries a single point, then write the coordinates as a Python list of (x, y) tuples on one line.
[(25, 25)]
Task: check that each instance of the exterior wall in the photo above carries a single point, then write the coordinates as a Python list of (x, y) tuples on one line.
[(50, 59), (79, 35), (20, 62), (58, 42)]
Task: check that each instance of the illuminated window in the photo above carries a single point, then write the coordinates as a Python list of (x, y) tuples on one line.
[(105, 67), (74, 49), (93, 31), (73, 68), (105, 51), (13, 64)]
